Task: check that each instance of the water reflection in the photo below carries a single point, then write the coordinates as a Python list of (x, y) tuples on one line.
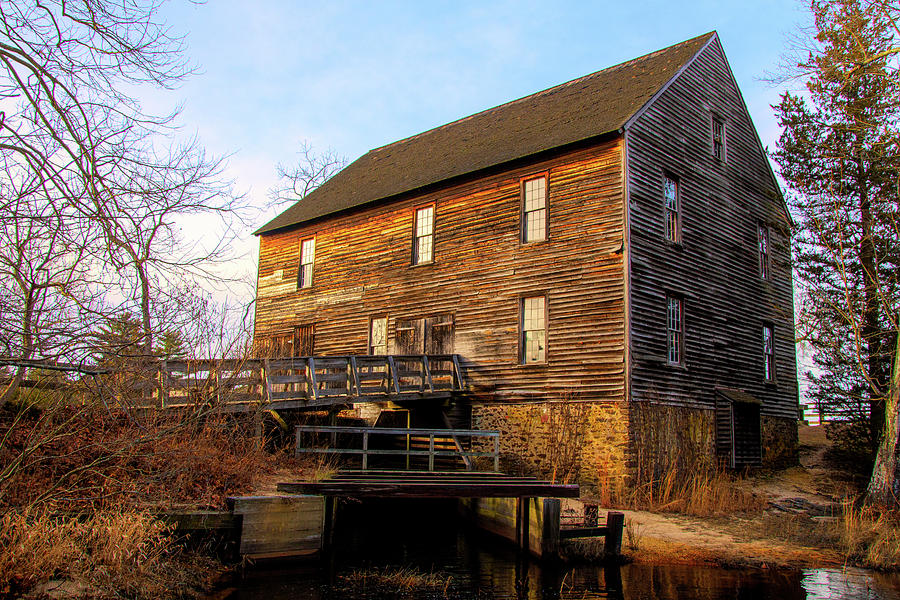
[(480, 568)]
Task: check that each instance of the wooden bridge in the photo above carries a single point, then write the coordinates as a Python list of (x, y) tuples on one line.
[(305, 381)]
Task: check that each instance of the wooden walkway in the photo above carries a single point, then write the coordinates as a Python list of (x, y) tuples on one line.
[(306, 381)]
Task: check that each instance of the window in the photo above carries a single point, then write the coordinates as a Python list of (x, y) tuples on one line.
[(718, 138), (307, 257), (675, 330), (673, 200), (534, 209), (423, 242), (378, 336), (432, 335), (534, 330), (763, 251), (768, 352)]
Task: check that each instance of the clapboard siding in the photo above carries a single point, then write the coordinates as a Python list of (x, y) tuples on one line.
[(715, 269), (480, 271)]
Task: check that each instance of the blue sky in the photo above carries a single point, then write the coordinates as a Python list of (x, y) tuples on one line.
[(351, 76)]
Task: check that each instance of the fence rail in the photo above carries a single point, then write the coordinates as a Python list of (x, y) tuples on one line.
[(307, 381), (363, 434)]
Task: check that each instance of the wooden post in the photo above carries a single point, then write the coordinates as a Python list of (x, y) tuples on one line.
[(408, 440), (431, 452), (258, 428), (163, 377), (615, 523), (526, 524), (550, 527), (328, 525), (365, 459), (497, 453)]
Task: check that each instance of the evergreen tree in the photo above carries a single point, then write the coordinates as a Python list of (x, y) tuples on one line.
[(838, 155), (119, 343), (171, 345)]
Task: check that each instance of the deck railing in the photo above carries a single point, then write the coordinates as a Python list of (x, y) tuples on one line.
[(461, 439), (307, 380)]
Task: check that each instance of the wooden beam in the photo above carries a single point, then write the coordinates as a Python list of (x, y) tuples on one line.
[(441, 489)]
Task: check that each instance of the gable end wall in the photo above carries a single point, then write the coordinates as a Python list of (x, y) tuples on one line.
[(715, 268)]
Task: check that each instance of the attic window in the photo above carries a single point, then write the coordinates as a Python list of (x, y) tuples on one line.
[(423, 236), (307, 257), (763, 251), (718, 138), (672, 209), (534, 209)]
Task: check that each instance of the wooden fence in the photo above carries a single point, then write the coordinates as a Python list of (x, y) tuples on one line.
[(306, 381), (406, 444)]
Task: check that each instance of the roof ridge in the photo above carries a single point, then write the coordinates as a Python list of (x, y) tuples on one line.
[(542, 92)]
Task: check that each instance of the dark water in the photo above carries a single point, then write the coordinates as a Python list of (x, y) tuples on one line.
[(431, 539)]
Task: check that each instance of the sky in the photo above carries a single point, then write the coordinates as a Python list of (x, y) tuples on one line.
[(352, 76)]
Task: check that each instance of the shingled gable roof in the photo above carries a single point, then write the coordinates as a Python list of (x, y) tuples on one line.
[(568, 113)]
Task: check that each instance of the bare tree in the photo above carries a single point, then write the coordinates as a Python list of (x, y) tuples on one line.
[(114, 188), (311, 171)]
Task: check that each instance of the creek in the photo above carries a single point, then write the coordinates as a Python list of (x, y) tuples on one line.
[(428, 538)]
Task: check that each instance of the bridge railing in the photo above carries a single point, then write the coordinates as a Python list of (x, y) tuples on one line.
[(306, 380), (356, 441)]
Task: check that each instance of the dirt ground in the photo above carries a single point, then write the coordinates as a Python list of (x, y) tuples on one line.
[(800, 495)]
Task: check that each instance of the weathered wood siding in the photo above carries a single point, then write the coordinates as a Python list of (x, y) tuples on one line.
[(715, 268), (480, 272)]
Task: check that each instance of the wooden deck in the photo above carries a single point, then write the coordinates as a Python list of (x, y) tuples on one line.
[(411, 484), (305, 381)]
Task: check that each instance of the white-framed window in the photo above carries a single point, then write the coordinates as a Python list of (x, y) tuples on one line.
[(534, 209), (718, 138), (768, 339), (763, 237), (378, 340), (423, 236), (672, 198), (675, 330), (534, 329), (307, 258)]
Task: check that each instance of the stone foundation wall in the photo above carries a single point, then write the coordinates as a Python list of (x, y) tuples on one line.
[(608, 447), (583, 442), (670, 438), (779, 442)]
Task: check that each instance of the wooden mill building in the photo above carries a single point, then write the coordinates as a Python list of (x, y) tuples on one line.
[(609, 258)]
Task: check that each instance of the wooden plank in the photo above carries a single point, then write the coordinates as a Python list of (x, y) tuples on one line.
[(430, 490), (569, 533), (200, 520), (363, 269), (280, 524)]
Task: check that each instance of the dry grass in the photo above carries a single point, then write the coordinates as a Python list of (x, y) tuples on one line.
[(705, 492), (865, 536), (633, 535), (111, 554), (88, 458), (406, 580), (870, 538)]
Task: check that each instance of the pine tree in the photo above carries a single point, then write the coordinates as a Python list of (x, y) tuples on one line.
[(838, 155)]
